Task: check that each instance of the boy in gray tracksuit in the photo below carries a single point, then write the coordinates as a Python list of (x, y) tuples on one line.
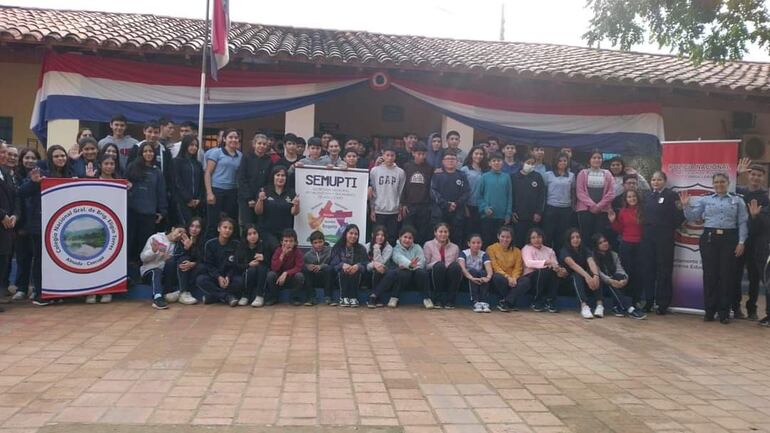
[(316, 268), (386, 182)]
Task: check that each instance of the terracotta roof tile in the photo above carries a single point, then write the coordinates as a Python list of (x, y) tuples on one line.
[(169, 34)]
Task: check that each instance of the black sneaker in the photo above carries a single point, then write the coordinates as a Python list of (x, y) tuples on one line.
[(231, 301), (661, 311), (296, 303), (41, 302), (738, 314), (449, 306), (270, 302), (308, 303), (765, 321), (637, 314), (159, 303), (538, 308), (503, 307), (551, 308), (752, 315), (618, 312)]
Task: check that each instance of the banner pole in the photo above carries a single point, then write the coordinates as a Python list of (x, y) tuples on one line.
[(201, 101)]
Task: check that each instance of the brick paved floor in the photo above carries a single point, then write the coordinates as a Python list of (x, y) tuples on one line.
[(427, 371)]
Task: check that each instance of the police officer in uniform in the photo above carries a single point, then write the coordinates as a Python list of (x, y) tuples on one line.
[(662, 212), (755, 251), (724, 233)]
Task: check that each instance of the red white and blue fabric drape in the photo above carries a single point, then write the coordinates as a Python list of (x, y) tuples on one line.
[(91, 88)]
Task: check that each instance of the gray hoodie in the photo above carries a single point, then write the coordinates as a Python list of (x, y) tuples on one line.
[(313, 257), (387, 183)]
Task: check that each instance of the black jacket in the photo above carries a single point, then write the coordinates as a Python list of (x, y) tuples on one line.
[(187, 174), (244, 254), (220, 260), (662, 210), (253, 175), (528, 195), (9, 206)]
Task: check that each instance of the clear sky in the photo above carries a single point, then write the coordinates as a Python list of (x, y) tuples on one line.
[(551, 21)]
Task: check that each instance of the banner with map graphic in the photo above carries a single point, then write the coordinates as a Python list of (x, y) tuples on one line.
[(329, 200), (84, 237), (689, 166)]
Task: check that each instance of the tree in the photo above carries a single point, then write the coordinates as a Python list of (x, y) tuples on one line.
[(699, 29)]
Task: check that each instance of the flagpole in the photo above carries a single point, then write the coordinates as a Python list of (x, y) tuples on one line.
[(201, 101)]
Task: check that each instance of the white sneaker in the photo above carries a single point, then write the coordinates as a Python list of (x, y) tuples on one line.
[(428, 303), (186, 298), (172, 296), (586, 312), (344, 302), (243, 301), (259, 301), (31, 294), (106, 299), (478, 307), (353, 302), (485, 307), (91, 299), (19, 296), (599, 311), (393, 303)]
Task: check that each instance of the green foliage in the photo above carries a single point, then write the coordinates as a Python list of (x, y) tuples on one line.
[(699, 29)]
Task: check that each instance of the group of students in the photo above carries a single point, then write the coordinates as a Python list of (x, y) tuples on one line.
[(216, 225)]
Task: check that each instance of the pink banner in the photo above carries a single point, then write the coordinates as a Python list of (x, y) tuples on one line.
[(689, 166)]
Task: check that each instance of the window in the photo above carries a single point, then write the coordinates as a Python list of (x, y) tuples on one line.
[(6, 129)]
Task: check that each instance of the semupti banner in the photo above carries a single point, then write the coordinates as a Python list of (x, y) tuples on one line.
[(84, 237), (329, 200), (689, 166)]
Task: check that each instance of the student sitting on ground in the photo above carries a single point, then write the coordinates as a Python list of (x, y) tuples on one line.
[(409, 260), (286, 271), (444, 270), (542, 269), (222, 281), (379, 252), (584, 275), (189, 263), (508, 280), (251, 255), (477, 270), (349, 259), (616, 280), (317, 271), (158, 265)]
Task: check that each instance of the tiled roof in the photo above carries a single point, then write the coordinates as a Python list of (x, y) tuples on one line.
[(142, 32)]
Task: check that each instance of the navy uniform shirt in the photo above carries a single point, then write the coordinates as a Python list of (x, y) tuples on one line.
[(662, 209), (720, 212)]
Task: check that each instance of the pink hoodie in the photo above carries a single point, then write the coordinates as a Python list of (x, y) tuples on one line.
[(584, 201), (535, 258)]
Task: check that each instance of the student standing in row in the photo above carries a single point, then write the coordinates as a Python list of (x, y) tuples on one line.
[(494, 199), (628, 224), (560, 187), (415, 198), (123, 142), (147, 200), (474, 166), (277, 205), (386, 183), (253, 176), (189, 188), (725, 230), (662, 212), (450, 192), (595, 189), (756, 247), (528, 199), (220, 180)]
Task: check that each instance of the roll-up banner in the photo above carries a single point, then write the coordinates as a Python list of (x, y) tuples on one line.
[(330, 200), (84, 237), (689, 166)]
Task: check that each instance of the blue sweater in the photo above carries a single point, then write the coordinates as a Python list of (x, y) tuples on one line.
[(494, 192)]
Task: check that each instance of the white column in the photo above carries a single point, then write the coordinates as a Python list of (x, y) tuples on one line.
[(466, 132), (301, 122), (63, 132)]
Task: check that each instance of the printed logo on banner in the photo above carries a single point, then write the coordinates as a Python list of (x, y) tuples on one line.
[(84, 237)]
